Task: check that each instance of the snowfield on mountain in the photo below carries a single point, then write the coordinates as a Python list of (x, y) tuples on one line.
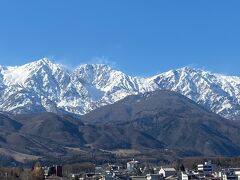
[(43, 86)]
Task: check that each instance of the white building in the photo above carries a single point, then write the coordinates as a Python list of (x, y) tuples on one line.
[(166, 172), (237, 172), (206, 168), (131, 165), (188, 175)]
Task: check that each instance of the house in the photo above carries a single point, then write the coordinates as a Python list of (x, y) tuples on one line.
[(231, 173), (166, 172), (229, 176)]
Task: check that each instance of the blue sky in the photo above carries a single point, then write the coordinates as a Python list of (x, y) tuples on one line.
[(140, 37)]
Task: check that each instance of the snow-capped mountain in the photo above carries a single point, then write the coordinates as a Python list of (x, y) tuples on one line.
[(45, 86)]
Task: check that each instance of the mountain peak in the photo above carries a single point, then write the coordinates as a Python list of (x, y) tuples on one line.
[(44, 62), (188, 69), (47, 86)]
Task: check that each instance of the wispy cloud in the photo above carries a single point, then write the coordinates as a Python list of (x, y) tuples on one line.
[(102, 60), (71, 66)]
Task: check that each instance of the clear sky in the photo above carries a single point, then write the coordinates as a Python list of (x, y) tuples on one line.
[(140, 37)]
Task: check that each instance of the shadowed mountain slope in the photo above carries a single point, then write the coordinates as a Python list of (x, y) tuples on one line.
[(174, 120), (156, 121)]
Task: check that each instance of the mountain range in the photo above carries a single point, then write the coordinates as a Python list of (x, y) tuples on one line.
[(155, 124), (44, 86)]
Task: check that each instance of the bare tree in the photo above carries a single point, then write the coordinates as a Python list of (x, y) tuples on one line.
[(37, 172)]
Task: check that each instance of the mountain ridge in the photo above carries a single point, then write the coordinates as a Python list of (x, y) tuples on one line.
[(173, 119), (160, 121), (43, 86)]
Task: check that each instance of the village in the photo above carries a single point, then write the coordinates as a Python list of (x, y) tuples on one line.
[(135, 171), (132, 170)]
